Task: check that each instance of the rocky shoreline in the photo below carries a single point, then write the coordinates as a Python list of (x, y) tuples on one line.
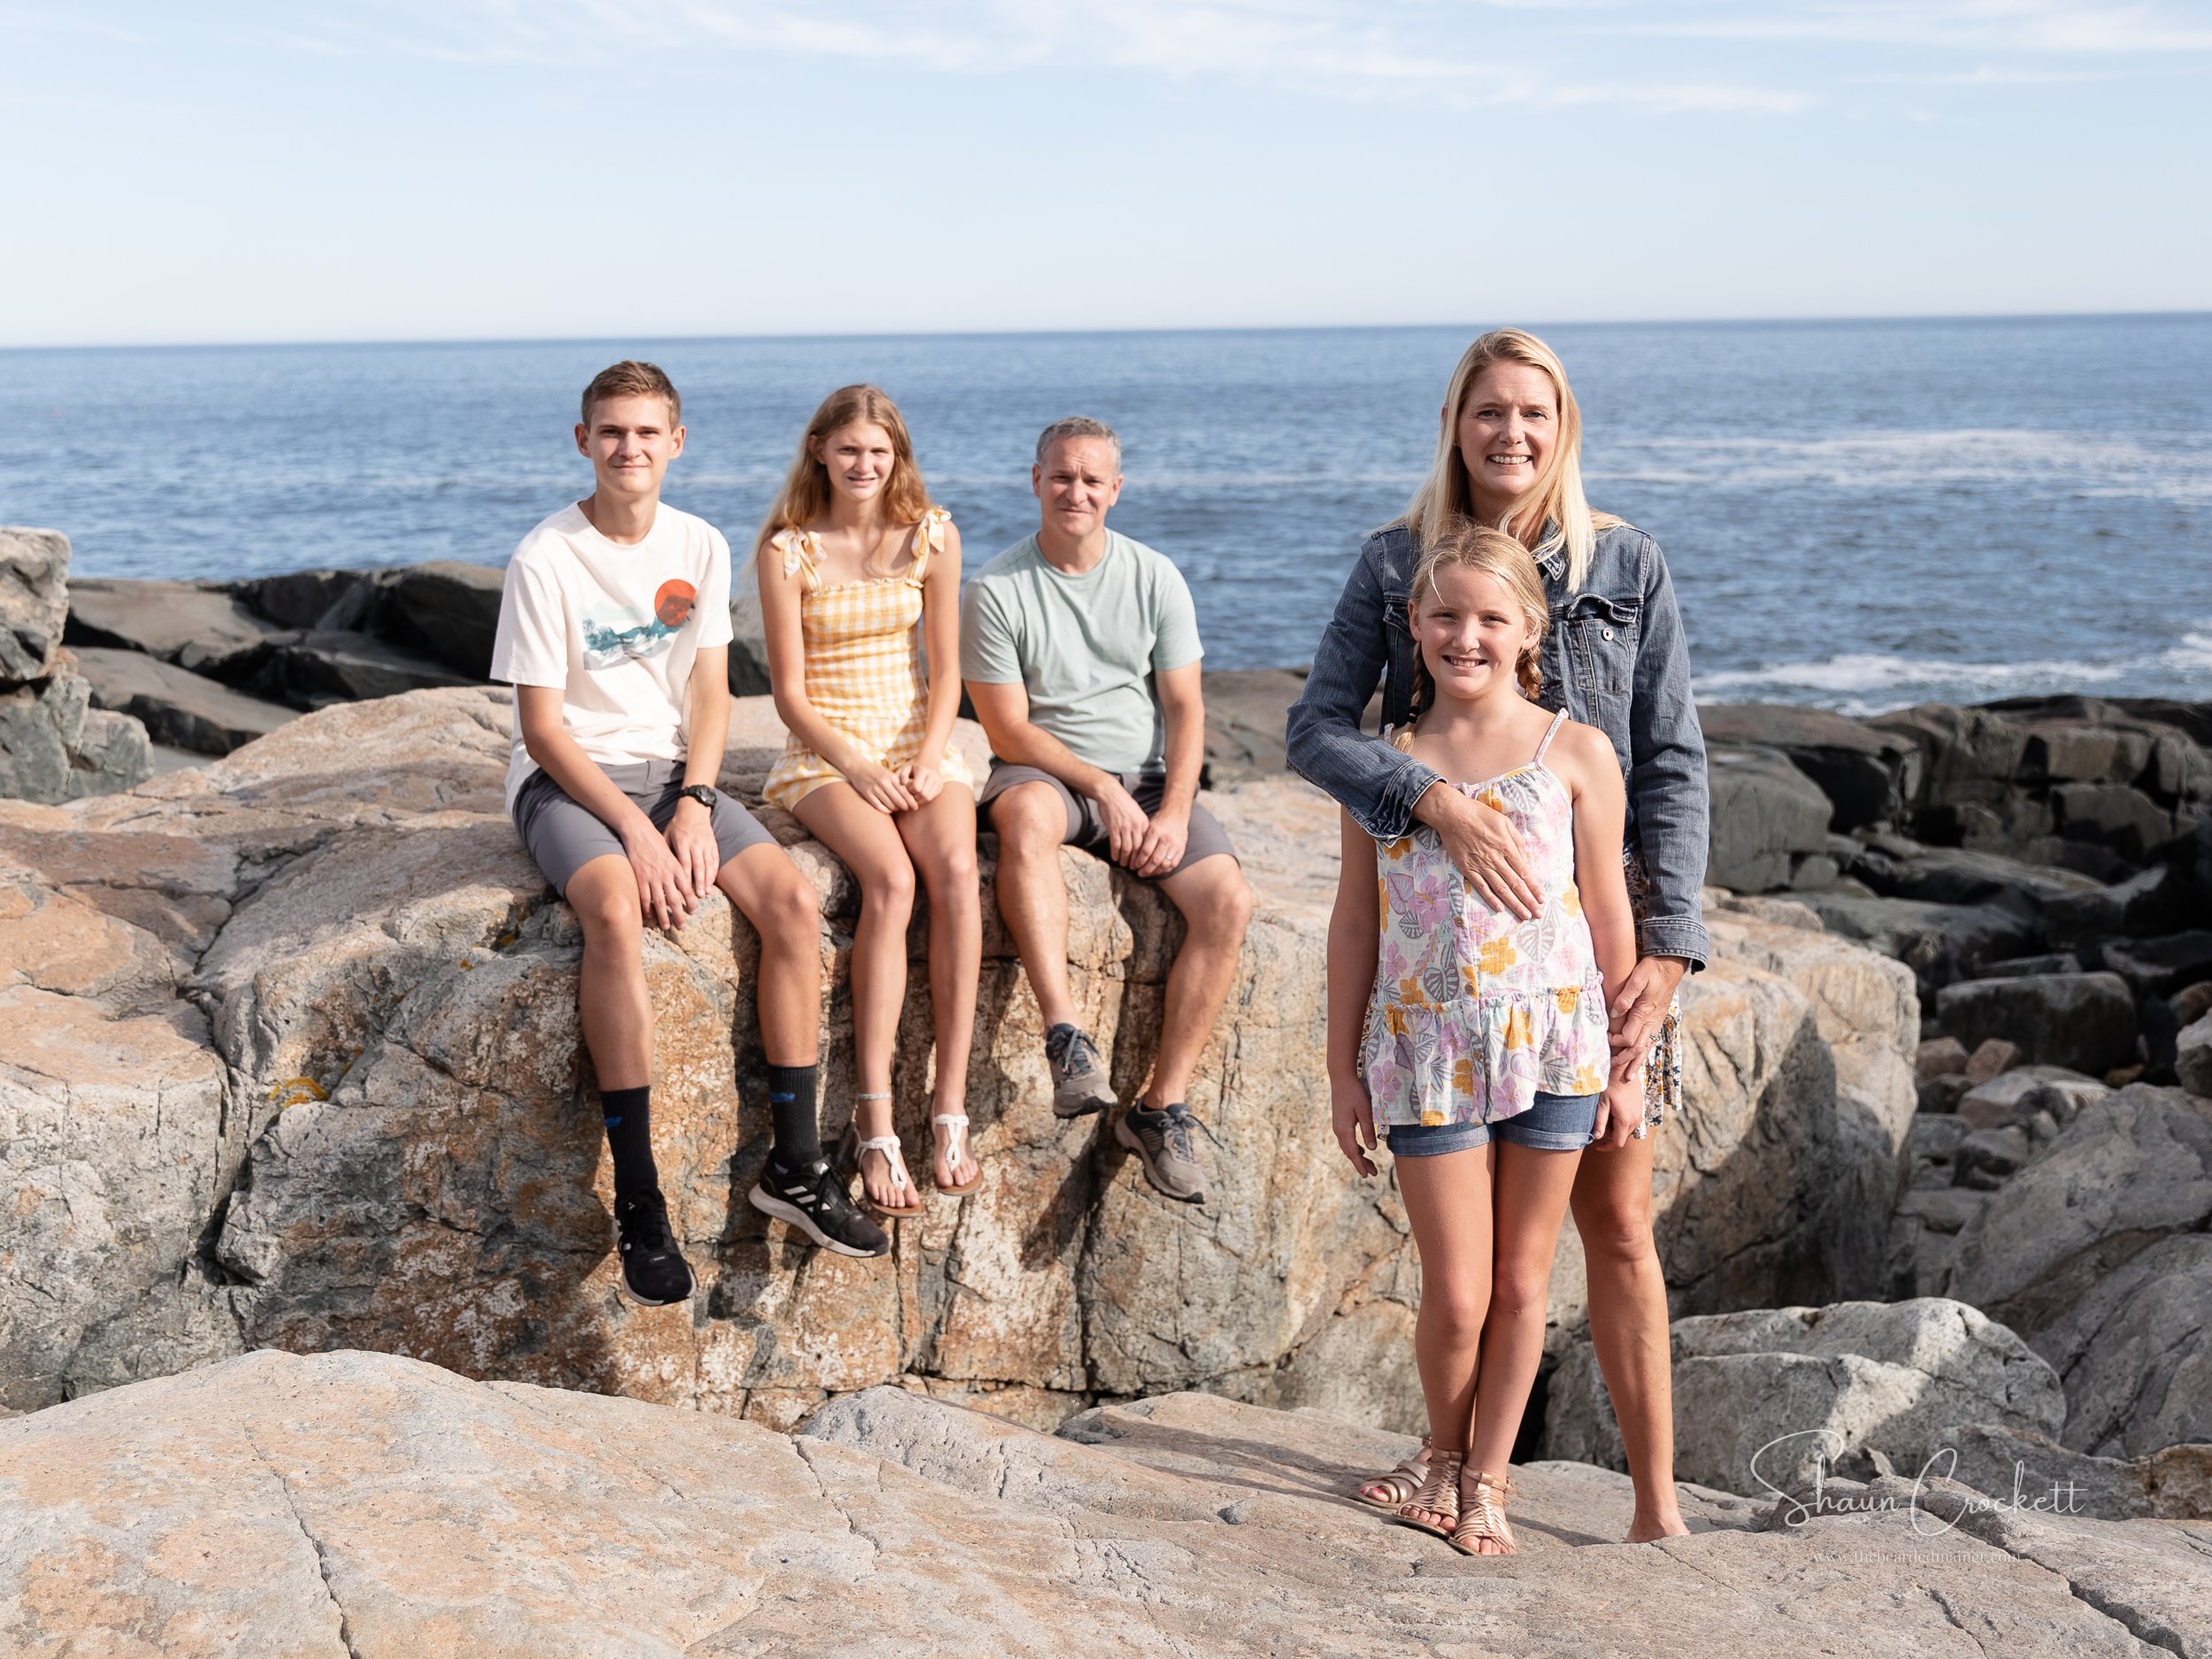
[(292, 1064)]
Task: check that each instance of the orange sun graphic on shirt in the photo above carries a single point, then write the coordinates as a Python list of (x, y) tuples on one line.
[(672, 603)]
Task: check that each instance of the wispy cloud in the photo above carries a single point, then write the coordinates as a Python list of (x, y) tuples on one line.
[(2030, 27), (1426, 50)]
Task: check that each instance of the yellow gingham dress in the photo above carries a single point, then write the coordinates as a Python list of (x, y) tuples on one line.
[(864, 662)]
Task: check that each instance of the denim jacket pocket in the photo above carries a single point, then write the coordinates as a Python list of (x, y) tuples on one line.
[(1601, 632)]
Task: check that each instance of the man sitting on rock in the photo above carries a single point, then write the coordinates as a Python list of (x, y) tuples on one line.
[(614, 629), (1081, 652)]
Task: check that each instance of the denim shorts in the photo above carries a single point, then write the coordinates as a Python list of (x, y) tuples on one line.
[(1557, 1123)]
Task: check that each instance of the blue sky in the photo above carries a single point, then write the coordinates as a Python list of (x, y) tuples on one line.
[(394, 169)]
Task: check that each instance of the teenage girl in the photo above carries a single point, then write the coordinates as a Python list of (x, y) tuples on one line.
[(1475, 1042), (860, 602)]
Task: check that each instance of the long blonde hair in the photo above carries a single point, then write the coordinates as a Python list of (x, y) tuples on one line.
[(1555, 501), (805, 494), (1482, 547)]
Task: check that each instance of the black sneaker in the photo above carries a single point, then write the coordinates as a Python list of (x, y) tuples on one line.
[(814, 1200), (1161, 1142), (654, 1272), (1079, 1083)]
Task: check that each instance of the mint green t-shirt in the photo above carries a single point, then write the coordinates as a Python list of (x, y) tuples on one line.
[(1086, 647)]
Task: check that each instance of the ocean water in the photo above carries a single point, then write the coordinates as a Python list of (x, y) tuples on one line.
[(1858, 514)]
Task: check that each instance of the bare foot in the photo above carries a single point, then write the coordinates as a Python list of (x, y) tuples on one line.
[(1645, 1529)]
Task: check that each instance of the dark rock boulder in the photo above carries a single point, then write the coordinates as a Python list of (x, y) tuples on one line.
[(2115, 816), (319, 669), (447, 611), (2134, 1169), (2085, 1021), (1902, 868), (1940, 943), (2135, 1353), (2159, 967), (305, 599), (1867, 776), (2160, 900), (55, 746), (177, 707), (1766, 816), (1967, 756), (196, 626)]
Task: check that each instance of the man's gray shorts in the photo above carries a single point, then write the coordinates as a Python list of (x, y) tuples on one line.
[(562, 836), (1085, 828)]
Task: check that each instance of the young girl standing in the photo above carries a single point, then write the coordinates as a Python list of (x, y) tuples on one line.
[(859, 578), (1474, 1040)]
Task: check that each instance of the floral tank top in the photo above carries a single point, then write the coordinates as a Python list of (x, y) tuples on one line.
[(1475, 1011)]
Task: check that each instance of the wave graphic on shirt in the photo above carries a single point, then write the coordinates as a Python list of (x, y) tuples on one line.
[(631, 636)]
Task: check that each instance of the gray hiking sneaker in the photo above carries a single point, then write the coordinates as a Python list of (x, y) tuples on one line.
[(1162, 1140), (1079, 1083)]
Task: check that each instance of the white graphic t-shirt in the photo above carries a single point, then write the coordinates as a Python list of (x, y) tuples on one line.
[(616, 628)]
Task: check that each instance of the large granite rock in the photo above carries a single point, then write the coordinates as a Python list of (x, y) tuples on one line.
[(2173, 1483), (200, 626), (355, 1504), (1767, 816), (2136, 1353), (176, 706), (54, 744), (2125, 1173), (1868, 775), (1765, 1397), (1940, 943), (34, 602), (2083, 1021), (406, 1157)]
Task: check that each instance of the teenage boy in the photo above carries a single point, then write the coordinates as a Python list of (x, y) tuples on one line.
[(1080, 651), (614, 629)]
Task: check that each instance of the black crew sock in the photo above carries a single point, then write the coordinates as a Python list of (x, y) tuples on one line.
[(791, 1102), (629, 1114)]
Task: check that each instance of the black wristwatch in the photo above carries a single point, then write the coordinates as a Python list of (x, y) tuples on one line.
[(700, 792)]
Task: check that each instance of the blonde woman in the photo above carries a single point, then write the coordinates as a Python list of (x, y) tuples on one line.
[(1509, 455), (860, 599)]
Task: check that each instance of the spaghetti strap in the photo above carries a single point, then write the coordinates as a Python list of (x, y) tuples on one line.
[(1550, 732)]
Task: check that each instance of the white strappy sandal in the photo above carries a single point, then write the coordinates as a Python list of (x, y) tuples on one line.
[(894, 1155), (955, 1135)]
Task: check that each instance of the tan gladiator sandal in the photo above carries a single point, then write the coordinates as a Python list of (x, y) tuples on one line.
[(1482, 1515), (1439, 1494), (1399, 1484)]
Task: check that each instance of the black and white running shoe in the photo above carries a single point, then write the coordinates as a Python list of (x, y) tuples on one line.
[(654, 1272), (815, 1200)]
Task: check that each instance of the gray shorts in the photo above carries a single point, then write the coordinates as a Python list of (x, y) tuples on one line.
[(562, 836), (1085, 831)]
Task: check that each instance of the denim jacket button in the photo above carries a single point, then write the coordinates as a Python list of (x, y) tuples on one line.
[(1608, 633)]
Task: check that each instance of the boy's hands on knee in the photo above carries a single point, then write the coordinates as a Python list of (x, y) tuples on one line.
[(664, 884), (698, 854), (1352, 1114)]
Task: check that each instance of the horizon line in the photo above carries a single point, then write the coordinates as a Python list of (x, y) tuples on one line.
[(1829, 320)]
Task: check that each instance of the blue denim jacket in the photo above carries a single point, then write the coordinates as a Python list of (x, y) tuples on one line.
[(1614, 656)]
